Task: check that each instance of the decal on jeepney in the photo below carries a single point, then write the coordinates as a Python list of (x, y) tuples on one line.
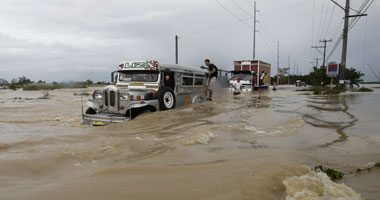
[(139, 65)]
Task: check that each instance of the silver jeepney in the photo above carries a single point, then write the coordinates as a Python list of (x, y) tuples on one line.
[(145, 86)]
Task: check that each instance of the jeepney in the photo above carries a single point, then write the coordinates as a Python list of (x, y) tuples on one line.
[(145, 86)]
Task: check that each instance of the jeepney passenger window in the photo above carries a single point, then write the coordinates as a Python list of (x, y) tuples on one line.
[(198, 81), (187, 79)]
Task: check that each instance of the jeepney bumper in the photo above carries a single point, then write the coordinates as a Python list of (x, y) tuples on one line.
[(106, 117), (100, 119)]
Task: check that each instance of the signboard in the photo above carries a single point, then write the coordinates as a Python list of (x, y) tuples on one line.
[(332, 70)]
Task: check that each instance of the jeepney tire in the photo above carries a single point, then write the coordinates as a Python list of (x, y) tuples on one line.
[(166, 98), (90, 111)]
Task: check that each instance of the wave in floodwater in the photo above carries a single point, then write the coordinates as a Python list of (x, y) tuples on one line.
[(317, 186)]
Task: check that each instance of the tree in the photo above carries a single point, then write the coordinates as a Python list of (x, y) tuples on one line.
[(317, 76), (89, 82), (353, 76), (23, 80), (3, 82)]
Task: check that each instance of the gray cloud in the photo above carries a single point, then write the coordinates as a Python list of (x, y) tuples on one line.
[(83, 39)]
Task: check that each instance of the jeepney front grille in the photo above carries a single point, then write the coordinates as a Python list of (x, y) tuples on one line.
[(110, 98), (106, 98)]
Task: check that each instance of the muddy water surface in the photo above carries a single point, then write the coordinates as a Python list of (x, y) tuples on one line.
[(257, 146)]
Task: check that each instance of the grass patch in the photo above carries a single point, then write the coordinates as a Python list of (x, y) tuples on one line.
[(322, 91), (82, 94), (45, 95), (305, 93), (332, 173), (363, 89), (305, 90)]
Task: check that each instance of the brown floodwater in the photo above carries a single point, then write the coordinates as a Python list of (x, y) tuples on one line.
[(260, 145)]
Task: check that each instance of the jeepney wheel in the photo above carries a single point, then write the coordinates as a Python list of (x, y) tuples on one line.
[(90, 111), (167, 99)]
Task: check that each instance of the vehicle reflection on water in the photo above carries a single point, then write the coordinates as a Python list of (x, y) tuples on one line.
[(259, 145)]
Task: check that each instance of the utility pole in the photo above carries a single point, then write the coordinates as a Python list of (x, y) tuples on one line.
[(254, 30), (278, 62), (316, 61), (176, 49), (345, 39), (324, 49), (347, 15)]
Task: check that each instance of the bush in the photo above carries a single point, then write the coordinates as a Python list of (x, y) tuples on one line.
[(332, 173), (40, 86), (363, 89)]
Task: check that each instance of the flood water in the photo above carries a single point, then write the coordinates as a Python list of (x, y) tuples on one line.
[(260, 145)]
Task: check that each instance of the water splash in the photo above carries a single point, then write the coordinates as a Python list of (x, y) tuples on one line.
[(317, 186)]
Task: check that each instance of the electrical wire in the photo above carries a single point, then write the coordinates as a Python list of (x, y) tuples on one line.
[(211, 28), (325, 21), (328, 26), (249, 3), (237, 5), (312, 31), (365, 8), (231, 13), (286, 8), (320, 20)]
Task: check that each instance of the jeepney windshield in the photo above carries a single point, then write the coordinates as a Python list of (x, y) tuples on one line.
[(138, 76)]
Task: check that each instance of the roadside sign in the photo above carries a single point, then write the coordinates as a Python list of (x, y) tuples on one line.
[(332, 70)]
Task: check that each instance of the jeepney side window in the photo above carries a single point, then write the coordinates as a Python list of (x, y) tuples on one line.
[(187, 79), (199, 79)]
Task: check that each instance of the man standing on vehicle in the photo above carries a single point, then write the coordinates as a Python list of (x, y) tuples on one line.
[(213, 74)]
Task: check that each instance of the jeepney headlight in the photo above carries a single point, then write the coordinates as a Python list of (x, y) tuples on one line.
[(124, 97), (98, 95)]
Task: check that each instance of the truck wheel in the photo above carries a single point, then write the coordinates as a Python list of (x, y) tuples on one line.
[(166, 98)]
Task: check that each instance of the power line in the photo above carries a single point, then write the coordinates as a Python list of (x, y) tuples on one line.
[(320, 20), (328, 26), (231, 13), (237, 5), (325, 20), (286, 8), (212, 28), (249, 3)]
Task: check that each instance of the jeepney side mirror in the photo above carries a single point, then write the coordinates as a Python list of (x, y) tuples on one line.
[(113, 76)]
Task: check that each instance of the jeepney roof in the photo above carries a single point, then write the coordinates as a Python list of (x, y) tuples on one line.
[(175, 67)]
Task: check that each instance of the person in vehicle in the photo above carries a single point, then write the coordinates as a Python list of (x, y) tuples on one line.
[(237, 87), (254, 81), (213, 74), (262, 78), (265, 78), (168, 80)]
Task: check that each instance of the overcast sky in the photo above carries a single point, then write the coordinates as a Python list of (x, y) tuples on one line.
[(63, 40)]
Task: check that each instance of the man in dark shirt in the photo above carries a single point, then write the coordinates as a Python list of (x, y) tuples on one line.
[(213, 74)]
